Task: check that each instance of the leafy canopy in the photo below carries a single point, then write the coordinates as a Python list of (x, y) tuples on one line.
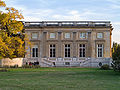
[(12, 38)]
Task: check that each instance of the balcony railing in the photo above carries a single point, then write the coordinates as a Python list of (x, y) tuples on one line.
[(68, 23)]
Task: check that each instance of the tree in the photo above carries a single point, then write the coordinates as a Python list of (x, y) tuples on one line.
[(116, 56), (12, 38)]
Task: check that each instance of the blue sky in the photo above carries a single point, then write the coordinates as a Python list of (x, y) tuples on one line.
[(77, 10)]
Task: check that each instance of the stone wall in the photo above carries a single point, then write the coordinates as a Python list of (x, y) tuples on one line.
[(11, 62)]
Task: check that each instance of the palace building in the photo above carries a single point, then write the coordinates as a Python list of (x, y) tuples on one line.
[(69, 43)]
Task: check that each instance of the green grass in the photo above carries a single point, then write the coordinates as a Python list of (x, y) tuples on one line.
[(59, 79)]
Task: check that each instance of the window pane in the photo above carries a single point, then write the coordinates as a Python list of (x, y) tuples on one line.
[(68, 45), (50, 45), (67, 63), (33, 52), (67, 35), (83, 45), (67, 50), (82, 50), (99, 35), (100, 50), (53, 45), (82, 35), (65, 45), (52, 35), (36, 52), (52, 50), (34, 35)]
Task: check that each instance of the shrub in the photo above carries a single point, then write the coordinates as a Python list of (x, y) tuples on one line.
[(5, 66), (3, 70), (31, 66), (37, 66), (105, 67), (15, 66), (116, 65)]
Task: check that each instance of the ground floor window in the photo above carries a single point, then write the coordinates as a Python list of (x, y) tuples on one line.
[(82, 50), (35, 51), (100, 50), (67, 50), (52, 50), (67, 63)]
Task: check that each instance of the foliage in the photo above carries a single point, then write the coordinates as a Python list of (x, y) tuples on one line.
[(12, 38), (3, 70), (7, 66), (116, 51), (116, 57), (105, 67), (116, 65), (31, 66)]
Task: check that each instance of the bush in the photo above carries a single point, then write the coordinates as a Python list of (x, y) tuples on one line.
[(15, 66), (116, 65), (31, 66), (105, 67), (3, 70), (5, 66)]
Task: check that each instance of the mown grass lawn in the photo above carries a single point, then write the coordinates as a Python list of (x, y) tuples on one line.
[(59, 79)]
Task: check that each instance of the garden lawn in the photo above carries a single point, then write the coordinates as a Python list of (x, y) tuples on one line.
[(59, 79)]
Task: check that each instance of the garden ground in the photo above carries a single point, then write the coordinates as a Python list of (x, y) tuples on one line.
[(59, 79)]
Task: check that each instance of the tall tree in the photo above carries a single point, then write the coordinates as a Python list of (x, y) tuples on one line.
[(116, 56), (12, 38)]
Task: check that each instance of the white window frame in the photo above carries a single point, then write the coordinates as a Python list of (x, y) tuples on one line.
[(82, 35), (35, 47), (99, 35), (99, 51), (52, 35), (68, 52), (34, 35), (83, 52), (52, 47), (67, 35)]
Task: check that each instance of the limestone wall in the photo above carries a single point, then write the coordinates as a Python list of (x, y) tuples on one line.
[(11, 62)]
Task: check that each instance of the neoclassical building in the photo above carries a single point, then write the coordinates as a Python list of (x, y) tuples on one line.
[(69, 43)]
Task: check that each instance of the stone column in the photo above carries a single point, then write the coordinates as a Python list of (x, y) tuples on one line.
[(44, 38), (74, 45), (89, 52), (59, 45)]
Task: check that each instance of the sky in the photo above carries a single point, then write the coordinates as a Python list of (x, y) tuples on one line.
[(71, 10)]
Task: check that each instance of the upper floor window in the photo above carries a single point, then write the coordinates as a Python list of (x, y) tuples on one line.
[(83, 35), (82, 50), (67, 35), (35, 51), (67, 50), (52, 50), (99, 35), (34, 35), (100, 50), (52, 35)]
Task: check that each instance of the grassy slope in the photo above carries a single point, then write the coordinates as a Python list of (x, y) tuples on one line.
[(59, 79)]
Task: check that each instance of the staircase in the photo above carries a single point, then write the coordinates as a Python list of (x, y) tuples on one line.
[(85, 63), (44, 62)]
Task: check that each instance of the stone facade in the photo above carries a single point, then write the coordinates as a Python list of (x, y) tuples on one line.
[(69, 43)]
